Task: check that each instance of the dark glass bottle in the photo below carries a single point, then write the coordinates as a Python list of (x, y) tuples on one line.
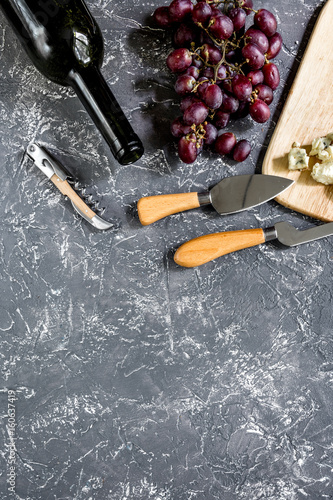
[(65, 43)]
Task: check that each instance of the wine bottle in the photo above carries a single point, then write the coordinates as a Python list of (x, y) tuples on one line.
[(66, 45)]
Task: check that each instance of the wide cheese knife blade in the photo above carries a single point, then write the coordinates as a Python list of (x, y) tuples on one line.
[(211, 246), (231, 195)]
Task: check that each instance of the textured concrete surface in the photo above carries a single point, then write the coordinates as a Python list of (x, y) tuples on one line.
[(133, 378)]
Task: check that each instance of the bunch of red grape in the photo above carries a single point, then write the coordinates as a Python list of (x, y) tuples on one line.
[(224, 71)]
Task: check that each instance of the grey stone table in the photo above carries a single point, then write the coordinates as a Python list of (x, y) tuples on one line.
[(133, 378)]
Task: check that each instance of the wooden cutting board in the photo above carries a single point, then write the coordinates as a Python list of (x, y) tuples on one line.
[(307, 114)]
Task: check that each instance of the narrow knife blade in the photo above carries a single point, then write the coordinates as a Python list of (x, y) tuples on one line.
[(289, 236), (241, 192)]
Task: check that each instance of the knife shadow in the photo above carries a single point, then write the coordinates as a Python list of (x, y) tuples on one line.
[(132, 217)]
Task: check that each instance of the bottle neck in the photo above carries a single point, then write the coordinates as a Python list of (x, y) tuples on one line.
[(95, 94)]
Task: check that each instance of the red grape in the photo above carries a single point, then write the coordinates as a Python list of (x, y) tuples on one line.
[(211, 53), (162, 18), (221, 119), (179, 60), (271, 75), (201, 13), (258, 37), (253, 56), (210, 73), (204, 38), (255, 76), (184, 84), (242, 111), (225, 143), (187, 149), (184, 35), (210, 133), (204, 82), (213, 96), (266, 22), (216, 11), (221, 72), (233, 56), (197, 62), (192, 71), (241, 150), (241, 87), (227, 85), (247, 5), (229, 104), (178, 9), (179, 128), (196, 113), (275, 44), (238, 17), (187, 101), (264, 93), (221, 27), (259, 111)]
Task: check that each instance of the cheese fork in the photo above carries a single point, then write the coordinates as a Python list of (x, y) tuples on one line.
[(211, 246)]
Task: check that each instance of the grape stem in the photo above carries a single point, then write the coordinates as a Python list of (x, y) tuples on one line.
[(199, 132), (195, 88), (223, 45)]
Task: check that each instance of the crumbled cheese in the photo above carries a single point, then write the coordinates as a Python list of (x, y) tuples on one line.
[(326, 154), (297, 158), (319, 144), (323, 172), (322, 148)]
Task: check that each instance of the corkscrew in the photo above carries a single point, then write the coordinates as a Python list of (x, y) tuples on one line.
[(68, 186)]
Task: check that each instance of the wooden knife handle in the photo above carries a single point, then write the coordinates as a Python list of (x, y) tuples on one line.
[(206, 248), (153, 208), (67, 190)]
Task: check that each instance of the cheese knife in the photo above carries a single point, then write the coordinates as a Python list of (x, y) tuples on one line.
[(231, 195), (209, 247)]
